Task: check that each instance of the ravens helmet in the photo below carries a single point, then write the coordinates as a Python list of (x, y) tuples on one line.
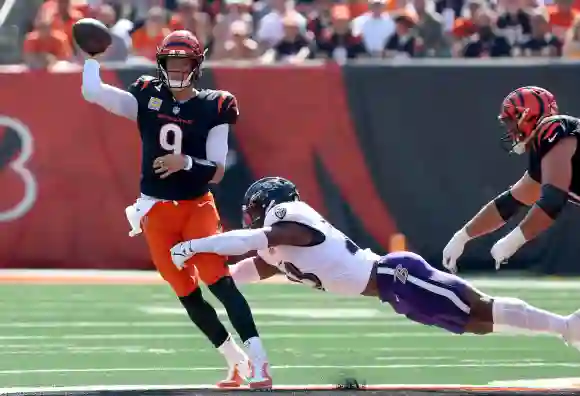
[(264, 194)]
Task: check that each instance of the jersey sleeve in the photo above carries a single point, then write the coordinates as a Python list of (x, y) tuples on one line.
[(295, 212), (549, 134), (228, 111)]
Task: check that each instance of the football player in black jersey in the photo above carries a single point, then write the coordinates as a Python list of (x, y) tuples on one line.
[(533, 124), (184, 135)]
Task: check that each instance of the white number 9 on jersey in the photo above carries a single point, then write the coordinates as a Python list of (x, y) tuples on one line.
[(171, 138)]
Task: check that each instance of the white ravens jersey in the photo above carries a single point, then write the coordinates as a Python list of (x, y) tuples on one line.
[(336, 265)]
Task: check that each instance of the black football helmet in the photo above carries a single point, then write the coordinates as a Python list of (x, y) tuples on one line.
[(263, 195)]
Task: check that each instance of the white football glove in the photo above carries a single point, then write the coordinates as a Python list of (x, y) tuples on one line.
[(506, 247), (454, 249)]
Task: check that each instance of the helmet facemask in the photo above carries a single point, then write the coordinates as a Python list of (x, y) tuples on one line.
[(178, 79)]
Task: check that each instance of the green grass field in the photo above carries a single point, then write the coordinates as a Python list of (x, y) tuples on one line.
[(69, 335)]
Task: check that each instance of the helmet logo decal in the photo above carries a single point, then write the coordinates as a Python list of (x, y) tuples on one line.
[(280, 212)]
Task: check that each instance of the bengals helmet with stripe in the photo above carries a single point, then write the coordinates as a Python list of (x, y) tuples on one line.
[(180, 44), (521, 112)]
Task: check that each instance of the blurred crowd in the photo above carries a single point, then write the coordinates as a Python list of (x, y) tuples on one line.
[(295, 31)]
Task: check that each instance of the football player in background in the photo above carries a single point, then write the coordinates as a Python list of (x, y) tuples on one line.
[(533, 124), (291, 238), (184, 134)]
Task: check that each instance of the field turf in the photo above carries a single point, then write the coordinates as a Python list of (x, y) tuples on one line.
[(135, 333)]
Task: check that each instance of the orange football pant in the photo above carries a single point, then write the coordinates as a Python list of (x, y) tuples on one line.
[(171, 222)]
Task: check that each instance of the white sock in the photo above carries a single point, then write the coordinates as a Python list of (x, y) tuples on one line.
[(256, 351), (232, 352), (513, 313)]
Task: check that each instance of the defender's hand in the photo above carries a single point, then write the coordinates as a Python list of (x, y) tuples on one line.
[(169, 164), (454, 249)]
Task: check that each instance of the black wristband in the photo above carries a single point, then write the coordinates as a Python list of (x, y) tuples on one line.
[(204, 169), (507, 206)]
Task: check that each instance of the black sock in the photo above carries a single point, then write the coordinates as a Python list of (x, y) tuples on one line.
[(205, 317), (236, 306)]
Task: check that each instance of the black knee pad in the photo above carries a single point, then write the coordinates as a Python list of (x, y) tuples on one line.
[(225, 289), (205, 317), (236, 306), (193, 300)]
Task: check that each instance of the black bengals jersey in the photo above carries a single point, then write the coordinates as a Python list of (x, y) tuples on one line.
[(167, 126), (551, 130)]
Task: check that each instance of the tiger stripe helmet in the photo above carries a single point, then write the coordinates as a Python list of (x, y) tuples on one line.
[(521, 112)]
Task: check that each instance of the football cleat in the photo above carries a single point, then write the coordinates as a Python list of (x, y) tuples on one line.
[(260, 379), (237, 375)]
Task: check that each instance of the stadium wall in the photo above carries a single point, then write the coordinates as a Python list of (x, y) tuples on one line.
[(379, 149)]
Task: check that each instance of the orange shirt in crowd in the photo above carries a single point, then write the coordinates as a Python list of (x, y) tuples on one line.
[(175, 23), (50, 10), (463, 27), (358, 7), (146, 45), (560, 20), (56, 44)]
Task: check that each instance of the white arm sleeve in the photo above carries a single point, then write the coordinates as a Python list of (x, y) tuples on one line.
[(231, 243), (216, 147), (113, 99)]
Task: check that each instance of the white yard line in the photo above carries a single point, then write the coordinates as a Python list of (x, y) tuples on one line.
[(327, 336), (155, 324), (97, 388), (514, 363)]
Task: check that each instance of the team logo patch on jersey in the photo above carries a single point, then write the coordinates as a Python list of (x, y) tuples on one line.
[(401, 274), (280, 213), (154, 103), (176, 110)]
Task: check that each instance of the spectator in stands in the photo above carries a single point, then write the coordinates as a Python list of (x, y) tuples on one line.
[(239, 45), (271, 27), (375, 27), (337, 42), (465, 26), (513, 21), (189, 17), (561, 16), (62, 14), (402, 42), (44, 46), (119, 49), (294, 47), (234, 11), (151, 34), (320, 18), (571, 47), (430, 30), (486, 42), (542, 41)]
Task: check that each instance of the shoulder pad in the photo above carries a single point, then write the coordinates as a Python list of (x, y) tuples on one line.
[(296, 212), (143, 81), (214, 94), (550, 131), (227, 106)]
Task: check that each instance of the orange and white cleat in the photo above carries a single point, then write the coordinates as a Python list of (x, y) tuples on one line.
[(237, 375), (260, 379)]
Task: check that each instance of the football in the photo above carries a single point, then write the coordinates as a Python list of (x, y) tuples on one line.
[(91, 36)]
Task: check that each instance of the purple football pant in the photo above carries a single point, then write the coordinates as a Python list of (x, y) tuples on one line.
[(422, 293)]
